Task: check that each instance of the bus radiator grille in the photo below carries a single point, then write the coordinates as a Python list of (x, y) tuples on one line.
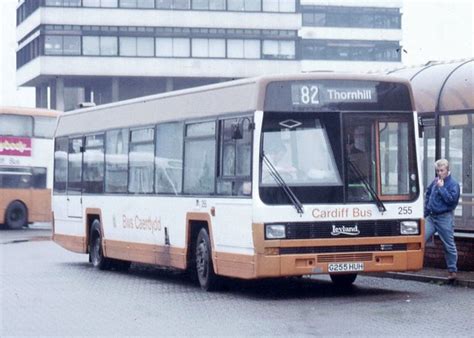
[(345, 248), (325, 229), (356, 257)]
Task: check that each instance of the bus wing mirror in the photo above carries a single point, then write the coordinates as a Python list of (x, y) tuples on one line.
[(236, 131), (239, 126), (421, 127)]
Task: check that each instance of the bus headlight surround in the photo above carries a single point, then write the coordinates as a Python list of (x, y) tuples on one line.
[(409, 228), (275, 231)]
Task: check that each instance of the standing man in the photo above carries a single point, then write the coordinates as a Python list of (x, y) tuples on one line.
[(442, 197)]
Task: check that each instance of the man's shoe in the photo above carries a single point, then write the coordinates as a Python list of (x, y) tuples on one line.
[(452, 276)]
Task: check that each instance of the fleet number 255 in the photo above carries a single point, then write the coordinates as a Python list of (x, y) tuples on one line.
[(405, 210)]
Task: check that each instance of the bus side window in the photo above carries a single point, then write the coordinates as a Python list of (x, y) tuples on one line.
[(74, 170), (200, 158), (235, 158), (93, 175), (169, 158), (39, 178), (116, 161), (60, 164), (141, 167)]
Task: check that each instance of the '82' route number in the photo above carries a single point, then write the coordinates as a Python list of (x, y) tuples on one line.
[(309, 94)]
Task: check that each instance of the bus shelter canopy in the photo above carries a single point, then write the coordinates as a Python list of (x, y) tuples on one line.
[(441, 87)]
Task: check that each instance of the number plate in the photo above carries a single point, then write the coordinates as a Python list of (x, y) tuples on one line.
[(346, 267)]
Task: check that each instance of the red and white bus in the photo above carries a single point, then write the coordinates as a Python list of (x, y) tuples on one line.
[(26, 175), (193, 179)]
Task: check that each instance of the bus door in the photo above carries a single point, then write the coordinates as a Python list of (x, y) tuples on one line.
[(74, 188)]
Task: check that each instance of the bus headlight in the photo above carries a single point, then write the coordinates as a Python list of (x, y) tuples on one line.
[(409, 228), (275, 231)]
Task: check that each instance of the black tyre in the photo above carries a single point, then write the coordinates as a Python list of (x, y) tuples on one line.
[(96, 253), (343, 280), (16, 215), (208, 280)]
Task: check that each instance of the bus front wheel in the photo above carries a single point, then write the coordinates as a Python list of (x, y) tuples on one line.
[(96, 252), (343, 280), (16, 215), (208, 280)]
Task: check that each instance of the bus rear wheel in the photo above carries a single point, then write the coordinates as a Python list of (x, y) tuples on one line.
[(343, 280), (16, 215), (208, 280), (96, 253)]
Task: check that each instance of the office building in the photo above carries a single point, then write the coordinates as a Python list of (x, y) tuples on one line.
[(75, 51)]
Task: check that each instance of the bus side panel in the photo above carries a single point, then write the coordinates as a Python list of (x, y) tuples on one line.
[(152, 229), (69, 232), (41, 206), (37, 202), (232, 238)]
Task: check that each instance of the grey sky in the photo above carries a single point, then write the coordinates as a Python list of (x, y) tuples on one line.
[(432, 30)]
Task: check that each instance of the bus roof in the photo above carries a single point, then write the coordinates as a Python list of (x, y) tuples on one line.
[(29, 111), (245, 95)]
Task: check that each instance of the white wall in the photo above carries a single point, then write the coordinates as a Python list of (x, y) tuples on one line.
[(10, 95)]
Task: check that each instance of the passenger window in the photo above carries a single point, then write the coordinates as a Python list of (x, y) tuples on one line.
[(235, 157), (116, 161), (169, 158), (200, 158), (141, 158), (60, 165), (75, 166), (93, 176)]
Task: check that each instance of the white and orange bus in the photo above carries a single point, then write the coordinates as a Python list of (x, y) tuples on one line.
[(192, 180), (26, 165)]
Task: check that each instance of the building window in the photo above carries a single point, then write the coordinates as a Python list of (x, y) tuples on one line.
[(244, 5), (243, 49), (279, 6), (278, 49), (62, 45), (214, 5), (173, 4), (53, 45), (131, 46), (343, 16), (71, 45), (350, 50), (65, 3), (172, 47), (137, 3), (100, 3), (208, 48), (99, 45)]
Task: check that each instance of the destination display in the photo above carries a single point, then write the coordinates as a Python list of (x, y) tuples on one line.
[(317, 95)]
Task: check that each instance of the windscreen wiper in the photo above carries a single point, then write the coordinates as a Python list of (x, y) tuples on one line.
[(367, 185), (281, 182)]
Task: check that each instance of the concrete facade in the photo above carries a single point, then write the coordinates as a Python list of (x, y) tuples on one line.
[(73, 51)]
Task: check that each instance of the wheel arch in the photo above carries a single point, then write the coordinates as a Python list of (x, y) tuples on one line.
[(194, 223), (91, 216)]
